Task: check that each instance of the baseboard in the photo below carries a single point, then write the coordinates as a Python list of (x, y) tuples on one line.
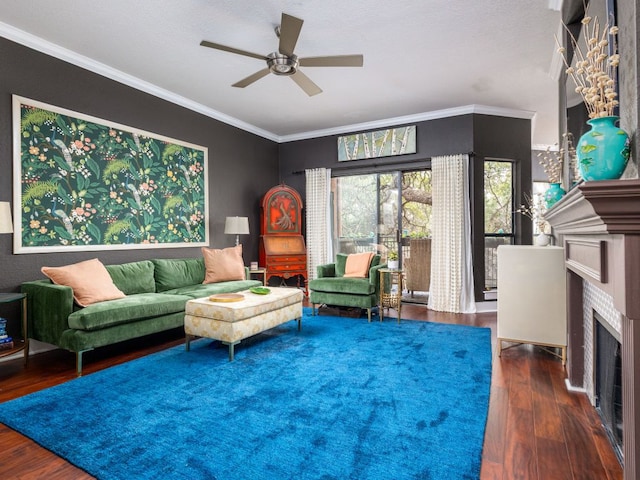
[(487, 306), (571, 388), (35, 347)]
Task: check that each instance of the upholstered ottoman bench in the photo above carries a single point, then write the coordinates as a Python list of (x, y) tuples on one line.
[(232, 322)]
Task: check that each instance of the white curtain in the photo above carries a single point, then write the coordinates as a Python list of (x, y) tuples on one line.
[(451, 260), (319, 245)]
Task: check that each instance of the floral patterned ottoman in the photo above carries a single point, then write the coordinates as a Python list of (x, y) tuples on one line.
[(232, 322)]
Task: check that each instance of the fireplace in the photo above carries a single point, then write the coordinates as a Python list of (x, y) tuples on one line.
[(608, 382), (598, 224)]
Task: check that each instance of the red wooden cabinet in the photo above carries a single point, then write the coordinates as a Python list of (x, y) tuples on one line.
[(282, 249)]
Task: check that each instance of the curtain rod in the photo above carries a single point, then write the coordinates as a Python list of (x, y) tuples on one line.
[(371, 166)]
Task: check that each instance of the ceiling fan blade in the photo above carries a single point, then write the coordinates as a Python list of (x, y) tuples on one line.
[(224, 48), (289, 32), (306, 84), (251, 78), (333, 61)]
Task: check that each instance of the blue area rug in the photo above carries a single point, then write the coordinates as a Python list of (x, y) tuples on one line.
[(341, 399)]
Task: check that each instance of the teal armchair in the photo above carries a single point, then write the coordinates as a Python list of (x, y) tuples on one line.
[(332, 288)]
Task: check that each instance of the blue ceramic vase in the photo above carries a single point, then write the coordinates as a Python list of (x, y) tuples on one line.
[(603, 151), (554, 193)]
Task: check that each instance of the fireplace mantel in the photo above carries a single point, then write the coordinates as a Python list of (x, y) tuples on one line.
[(611, 206), (598, 224)]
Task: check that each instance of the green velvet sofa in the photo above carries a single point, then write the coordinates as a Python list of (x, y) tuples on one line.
[(156, 294), (331, 287)]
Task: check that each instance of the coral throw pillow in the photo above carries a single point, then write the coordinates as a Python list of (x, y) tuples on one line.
[(89, 280), (357, 265), (223, 265)]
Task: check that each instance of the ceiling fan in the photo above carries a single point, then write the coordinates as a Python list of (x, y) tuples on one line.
[(285, 62)]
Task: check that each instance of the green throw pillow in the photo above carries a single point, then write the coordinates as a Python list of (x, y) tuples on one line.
[(134, 277), (177, 273)]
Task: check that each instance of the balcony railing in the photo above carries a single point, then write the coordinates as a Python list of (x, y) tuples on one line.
[(491, 244), (388, 242), (368, 244)]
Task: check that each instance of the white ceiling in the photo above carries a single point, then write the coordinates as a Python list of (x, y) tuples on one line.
[(422, 59)]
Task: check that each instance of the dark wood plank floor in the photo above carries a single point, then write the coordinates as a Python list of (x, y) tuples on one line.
[(536, 429)]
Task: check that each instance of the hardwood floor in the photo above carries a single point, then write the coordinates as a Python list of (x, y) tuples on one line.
[(536, 429)]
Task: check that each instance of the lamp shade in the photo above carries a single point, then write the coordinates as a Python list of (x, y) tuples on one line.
[(237, 225), (6, 225)]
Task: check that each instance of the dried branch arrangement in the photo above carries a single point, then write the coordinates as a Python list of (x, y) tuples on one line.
[(594, 73)]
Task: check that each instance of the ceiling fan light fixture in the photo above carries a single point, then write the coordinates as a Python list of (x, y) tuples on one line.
[(282, 64)]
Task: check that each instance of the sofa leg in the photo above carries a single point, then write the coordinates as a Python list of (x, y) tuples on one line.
[(79, 361), (79, 364), (369, 314), (313, 309)]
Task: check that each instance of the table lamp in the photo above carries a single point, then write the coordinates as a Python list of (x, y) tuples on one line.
[(236, 226), (6, 225)]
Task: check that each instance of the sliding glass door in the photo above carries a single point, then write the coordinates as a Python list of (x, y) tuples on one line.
[(381, 211)]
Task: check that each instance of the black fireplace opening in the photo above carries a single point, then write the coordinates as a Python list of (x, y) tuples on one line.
[(608, 364)]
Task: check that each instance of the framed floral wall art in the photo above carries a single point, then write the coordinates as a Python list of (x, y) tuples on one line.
[(83, 183)]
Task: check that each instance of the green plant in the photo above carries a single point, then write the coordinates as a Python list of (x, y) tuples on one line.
[(392, 255)]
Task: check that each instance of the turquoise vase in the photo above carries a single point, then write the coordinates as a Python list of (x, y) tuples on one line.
[(554, 193), (603, 151)]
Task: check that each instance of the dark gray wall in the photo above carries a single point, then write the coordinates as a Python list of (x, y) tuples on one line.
[(505, 139), (486, 136), (434, 137), (242, 166)]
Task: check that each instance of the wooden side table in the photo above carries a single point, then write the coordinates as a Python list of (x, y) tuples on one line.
[(19, 343), (391, 286), (259, 271)]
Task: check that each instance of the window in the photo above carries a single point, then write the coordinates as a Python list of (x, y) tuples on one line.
[(498, 215)]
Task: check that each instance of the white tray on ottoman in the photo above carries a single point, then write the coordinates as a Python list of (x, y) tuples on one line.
[(232, 322)]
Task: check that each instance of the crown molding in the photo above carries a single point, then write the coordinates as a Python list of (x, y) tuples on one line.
[(403, 120), (69, 56)]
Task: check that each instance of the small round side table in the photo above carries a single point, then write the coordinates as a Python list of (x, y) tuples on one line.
[(259, 271), (391, 286), (20, 343)]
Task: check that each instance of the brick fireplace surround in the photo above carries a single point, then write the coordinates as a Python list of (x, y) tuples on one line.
[(598, 223)]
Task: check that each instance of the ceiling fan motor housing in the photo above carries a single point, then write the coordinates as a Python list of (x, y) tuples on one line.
[(280, 64)]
